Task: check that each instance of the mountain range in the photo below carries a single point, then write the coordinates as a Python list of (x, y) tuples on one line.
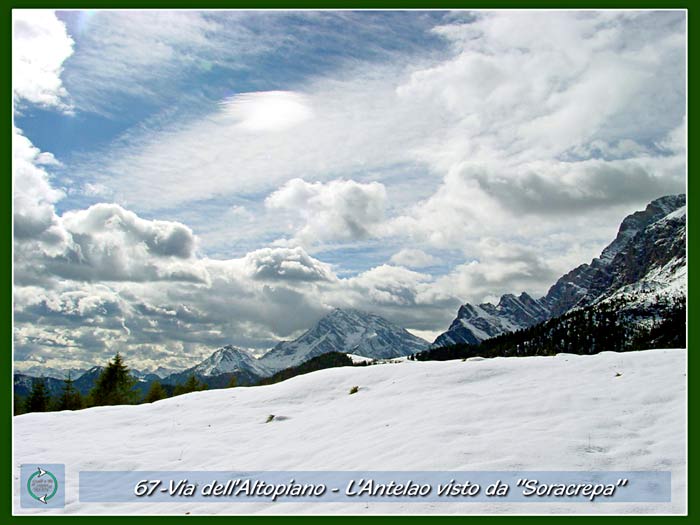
[(345, 331), (647, 257), (645, 260)]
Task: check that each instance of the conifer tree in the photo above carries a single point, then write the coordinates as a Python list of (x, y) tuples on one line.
[(70, 398), (155, 393), (114, 386), (191, 385), (38, 400)]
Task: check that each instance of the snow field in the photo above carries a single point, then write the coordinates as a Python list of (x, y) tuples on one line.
[(565, 412)]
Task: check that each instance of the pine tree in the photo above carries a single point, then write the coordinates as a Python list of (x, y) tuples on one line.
[(233, 383), (155, 393), (114, 386), (38, 400), (70, 398), (191, 385)]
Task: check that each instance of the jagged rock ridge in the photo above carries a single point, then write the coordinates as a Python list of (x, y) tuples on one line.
[(647, 256)]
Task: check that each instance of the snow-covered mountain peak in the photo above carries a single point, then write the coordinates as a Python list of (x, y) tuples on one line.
[(226, 360), (345, 330), (638, 221), (56, 373)]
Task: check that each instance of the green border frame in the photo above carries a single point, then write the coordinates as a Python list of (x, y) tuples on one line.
[(6, 460)]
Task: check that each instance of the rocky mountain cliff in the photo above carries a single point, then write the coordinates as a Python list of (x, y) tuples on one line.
[(648, 256)]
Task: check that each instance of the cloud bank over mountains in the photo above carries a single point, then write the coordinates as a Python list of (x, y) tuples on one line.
[(493, 161)]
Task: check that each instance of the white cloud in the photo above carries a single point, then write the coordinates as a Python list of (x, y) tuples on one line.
[(40, 46), (111, 243), (33, 197), (504, 267), (103, 242), (136, 53), (508, 102), (520, 149), (136, 286), (518, 95), (266, 111), (676, 140), (101, 221), (407, 297), (392, 285), (147, 318), (96, 190), (459, 212), (337, 210), (356, 127), (286, 264), (413, 258)]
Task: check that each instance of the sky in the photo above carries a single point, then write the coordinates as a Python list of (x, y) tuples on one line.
[(189, 179)]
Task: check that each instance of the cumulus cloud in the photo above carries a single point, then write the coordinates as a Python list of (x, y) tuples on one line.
[(458, 212), (387, 284), (536, 203), (254, 301), (407, 297), (101, 222), (286, 264), (534, 94), (33, 196), (109, 243), (99, 304), (103, 242), (124, 283), (503, 267), (41, 45), (677, 138), (543, 188), (337, 210)]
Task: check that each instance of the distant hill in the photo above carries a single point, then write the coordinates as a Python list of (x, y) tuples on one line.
[(320, 362)]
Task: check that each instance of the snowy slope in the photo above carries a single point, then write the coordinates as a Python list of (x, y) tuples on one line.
[(670, 280), (348, 331), (565, 412)]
